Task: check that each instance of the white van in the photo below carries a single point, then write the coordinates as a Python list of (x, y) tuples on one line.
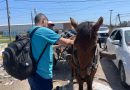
[(103, 33)]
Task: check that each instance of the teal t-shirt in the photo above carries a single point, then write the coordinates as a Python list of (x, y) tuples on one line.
[(40, 38)]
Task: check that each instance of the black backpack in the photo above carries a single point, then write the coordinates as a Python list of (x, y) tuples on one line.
[(18, 60)]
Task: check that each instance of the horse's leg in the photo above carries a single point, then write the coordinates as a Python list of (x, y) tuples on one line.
[(90, 79), (69, 60), (89, 83), (71, 63), (72, 74), (80, 84)]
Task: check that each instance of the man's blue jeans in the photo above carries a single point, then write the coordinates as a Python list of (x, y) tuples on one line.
[(38, 83)]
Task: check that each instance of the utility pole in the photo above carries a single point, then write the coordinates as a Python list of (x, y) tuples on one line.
[(8, 16), (35, 11), (32, 18), (119, 18), (110, 27), (116, 21), (110, 17)]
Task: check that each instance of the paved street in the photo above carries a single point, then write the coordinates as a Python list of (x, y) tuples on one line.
[(112, 74), (106, 78)]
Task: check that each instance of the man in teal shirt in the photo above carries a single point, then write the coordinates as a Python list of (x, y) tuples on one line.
[(42, 79)]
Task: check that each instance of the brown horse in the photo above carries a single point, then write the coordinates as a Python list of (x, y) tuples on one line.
[(83, 60)]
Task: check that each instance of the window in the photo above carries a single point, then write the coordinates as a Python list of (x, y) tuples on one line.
[(127, 37), (118, 36), (103, 29), (113, 34)]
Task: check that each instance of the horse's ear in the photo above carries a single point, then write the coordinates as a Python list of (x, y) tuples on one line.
[(73, 23), (98, 24)]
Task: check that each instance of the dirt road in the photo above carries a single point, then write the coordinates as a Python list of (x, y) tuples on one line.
[(106, 78), (62, 77)]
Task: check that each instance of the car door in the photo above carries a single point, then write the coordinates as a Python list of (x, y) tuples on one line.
[(110, 46), (117, 49)]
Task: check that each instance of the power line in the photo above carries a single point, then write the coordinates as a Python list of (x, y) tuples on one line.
[(69, 7), (86, 8), (76, 10), (125, 14), (60, 1), (18, 8)]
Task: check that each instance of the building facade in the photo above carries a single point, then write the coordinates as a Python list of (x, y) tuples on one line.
[(23, 28)]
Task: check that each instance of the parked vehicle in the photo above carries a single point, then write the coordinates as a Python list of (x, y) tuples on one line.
[(119, 43), (103, 34)]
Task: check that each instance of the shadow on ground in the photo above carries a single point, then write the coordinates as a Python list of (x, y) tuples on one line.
[(62, 76), (112, 74)]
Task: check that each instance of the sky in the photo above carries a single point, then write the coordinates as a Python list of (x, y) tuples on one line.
[(62, 10)]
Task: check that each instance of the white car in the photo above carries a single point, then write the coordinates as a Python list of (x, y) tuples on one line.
[(103, 33), (119, 43)]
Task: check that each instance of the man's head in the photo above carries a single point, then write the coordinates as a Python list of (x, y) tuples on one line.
[(50, 24), (41, 20)]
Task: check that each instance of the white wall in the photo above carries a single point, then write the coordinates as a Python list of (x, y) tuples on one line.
[(128, 23), (15, 29)]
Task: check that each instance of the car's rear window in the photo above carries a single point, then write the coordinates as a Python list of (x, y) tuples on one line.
[(103, 29), (127, 37)]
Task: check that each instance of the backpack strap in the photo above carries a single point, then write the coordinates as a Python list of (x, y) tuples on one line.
[(42, 53), (31, 34)]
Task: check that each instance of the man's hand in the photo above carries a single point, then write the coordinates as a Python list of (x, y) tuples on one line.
[(64, 41), (72, 37)]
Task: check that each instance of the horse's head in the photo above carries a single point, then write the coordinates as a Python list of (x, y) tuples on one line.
[(85, 43)]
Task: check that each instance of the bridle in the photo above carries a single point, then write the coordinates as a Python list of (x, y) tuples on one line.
[(88, 68)]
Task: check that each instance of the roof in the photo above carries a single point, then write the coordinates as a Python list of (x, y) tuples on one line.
[(123, 28), (31, 23), (16, 24)]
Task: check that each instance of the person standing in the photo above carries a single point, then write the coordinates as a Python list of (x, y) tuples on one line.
[(42, 79), (50, 25)]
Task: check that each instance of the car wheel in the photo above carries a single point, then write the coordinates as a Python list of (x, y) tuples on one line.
[(122, 75)]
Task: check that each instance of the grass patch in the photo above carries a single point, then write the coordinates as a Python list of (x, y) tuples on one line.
[(5, 39)]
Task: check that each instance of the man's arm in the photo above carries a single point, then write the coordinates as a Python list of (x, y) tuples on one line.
[(64, 41)]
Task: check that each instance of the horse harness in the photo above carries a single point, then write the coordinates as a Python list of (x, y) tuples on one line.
[(90, 68)]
